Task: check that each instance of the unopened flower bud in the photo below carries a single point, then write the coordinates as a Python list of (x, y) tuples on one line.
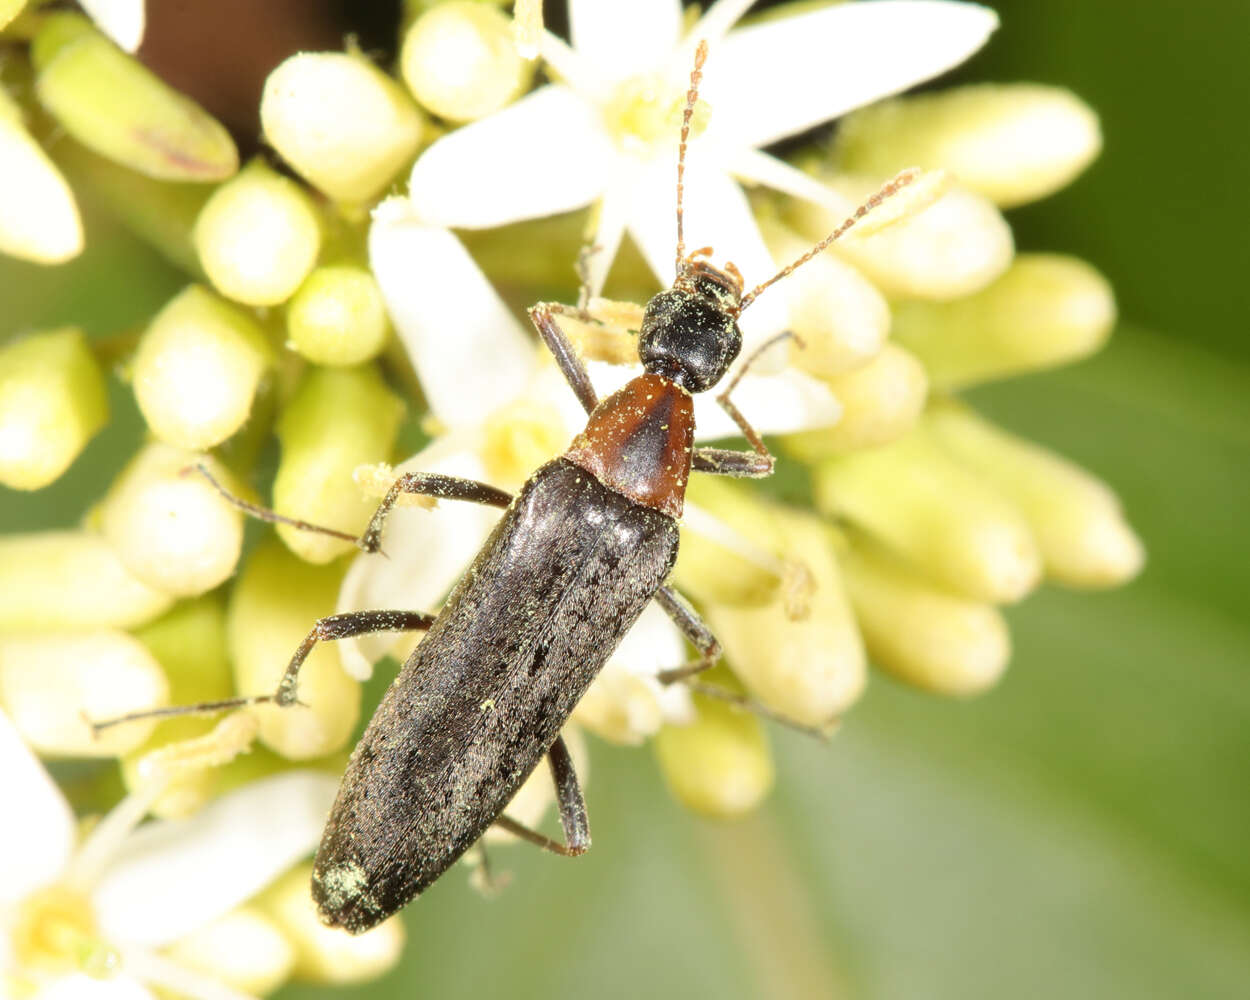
[(197, 369), (1013, 143), (338, 419), (1077, 519), (52, 400), (338, 317), (840, 317), (919, 632), (111, 103), (460, 61), (915, 498), (258, 237), (720, 764), (38, 215), (325, 954), (171, 528), (244, 949), (340, 122), (70, 580), (1047, 310), (880, 402), (53, 685), (274, 604)]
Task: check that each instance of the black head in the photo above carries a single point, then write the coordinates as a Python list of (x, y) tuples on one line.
[(690, 332)]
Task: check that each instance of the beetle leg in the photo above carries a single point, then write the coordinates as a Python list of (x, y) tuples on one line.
[(340, 626), (570, 364), (694, 628), (728, 462), (573, 816), (432, 484)]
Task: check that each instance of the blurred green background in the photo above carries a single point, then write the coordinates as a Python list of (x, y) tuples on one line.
[(1081, 831)]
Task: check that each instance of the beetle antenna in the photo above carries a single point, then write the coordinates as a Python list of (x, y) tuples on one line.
[(692, 95), (890, 189)]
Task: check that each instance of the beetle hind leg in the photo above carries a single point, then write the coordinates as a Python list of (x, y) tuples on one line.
[(572, 805)]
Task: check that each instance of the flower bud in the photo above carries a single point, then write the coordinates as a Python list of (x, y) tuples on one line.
[(1047, 310), (54, 685), (1013, 143), (70, 580), (38, 215), (340, 122), (111, 103), (719, 765), (810, 667), (243, 949), (9, 9), (258, 237), (274, 605), (840, 317), (1080, 528), (880, 402), (338, 317), (338, 419), (52, 401), (460, 61), (169, 525), (919, 632), (915, 498), (954, 247), (197, 369), (325, 954)]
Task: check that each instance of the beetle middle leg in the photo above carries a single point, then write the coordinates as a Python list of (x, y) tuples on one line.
[(572, 806), (340, 626)]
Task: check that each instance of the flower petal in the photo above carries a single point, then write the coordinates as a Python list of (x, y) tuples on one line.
[(773, 404), (469, 351), (620, 39), (428, 551), (174, 876), (781, 77), (37, 847), (716, 214), (122, 20), (80, 986), (545, 154)]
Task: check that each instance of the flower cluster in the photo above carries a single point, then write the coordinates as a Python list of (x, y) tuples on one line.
[(318, 298)]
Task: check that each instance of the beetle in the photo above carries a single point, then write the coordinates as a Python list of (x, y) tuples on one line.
[(580, 551)]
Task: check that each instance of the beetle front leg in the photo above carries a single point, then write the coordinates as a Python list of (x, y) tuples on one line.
[(573, 816), (543, 316)]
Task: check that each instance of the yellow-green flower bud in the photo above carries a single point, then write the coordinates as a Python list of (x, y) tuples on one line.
[(258, 237), (880, 402), (810, 668), (919, 632), (1047, 310), (1013, 143), (840, 316), (111, 103), (244, 949), (190, 645), (460, 61), (338, 317), (954, 247), (9, 9), (325, 954), (338, 419), (38, 215), (197, 369), (168, 524), (273, 606), (52, 400), (341, 122), (52, 684), (70, 580), (1080, 528), (720, 764), (940, 517)]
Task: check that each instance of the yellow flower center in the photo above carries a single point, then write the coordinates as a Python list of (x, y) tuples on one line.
[(56, 933), (645, 113), (519, 438)]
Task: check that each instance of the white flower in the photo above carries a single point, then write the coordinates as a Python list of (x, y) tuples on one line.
[(122, 20), (87, 920), (608, 130)]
